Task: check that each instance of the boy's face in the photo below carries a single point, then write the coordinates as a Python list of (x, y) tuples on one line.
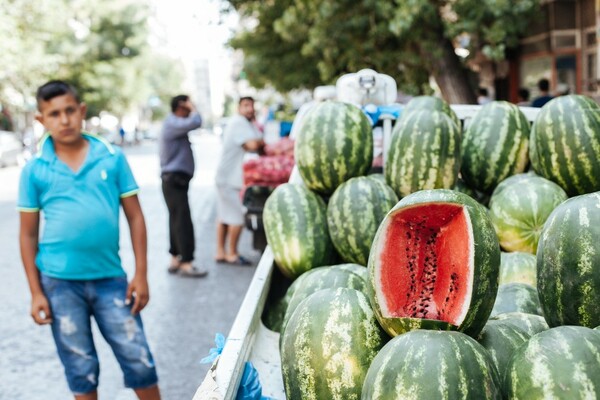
[(62, 116)]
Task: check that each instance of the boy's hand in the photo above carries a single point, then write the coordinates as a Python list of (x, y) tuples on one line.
[(139, 286), (40, 309)]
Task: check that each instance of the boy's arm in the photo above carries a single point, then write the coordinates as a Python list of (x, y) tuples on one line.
[(28, 241), (137, 229)]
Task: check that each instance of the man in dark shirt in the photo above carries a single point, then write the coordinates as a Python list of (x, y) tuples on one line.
[(177, 169), (544, 97)]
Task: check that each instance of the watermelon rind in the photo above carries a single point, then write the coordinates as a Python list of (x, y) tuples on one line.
[(565, 143), (331, 340), (568, 263), (334, 144), (517, 297), (519, 207), (424, 153), (518, 267), (500, 338), (495, 145), (295, 222), (430, 103), (326, 277), (354, 213), (530, 323), (561, 363), (432, 365)]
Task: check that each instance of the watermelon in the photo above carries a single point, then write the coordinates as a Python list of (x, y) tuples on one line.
[(430, 103), (328, 346), (430, 365), (424, 153), (517, 297), (328, 277), (378, 177), (518, 267), (561, 363), (494, 145), (568, 263), (530, 323), (462, 187), (501, 339), (434, 264), (565, 143), (519, 207), (295, 222), (354, 213), (334, 144)]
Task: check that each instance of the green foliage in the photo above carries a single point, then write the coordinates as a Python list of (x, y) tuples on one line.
[(323, 39), (99, 46)]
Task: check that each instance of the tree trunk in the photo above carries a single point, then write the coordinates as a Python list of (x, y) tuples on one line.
[(450, 75)]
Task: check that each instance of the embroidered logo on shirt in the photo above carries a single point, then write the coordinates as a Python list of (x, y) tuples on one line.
[(103, 174)]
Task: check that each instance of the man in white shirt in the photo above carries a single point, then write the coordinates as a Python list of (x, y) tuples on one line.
[(240, 136)]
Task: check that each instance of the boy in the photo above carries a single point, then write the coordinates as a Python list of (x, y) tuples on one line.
[(74, 271)]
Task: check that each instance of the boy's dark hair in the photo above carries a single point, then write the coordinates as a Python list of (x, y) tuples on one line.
[(524, 94), (244, 98), (53, 89), (175, 101), (544, 85)]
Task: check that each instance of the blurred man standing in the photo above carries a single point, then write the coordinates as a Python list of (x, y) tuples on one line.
[(177, 169), (239, 136)]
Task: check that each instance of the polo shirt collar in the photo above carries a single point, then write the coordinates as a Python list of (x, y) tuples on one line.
[(99, 148)]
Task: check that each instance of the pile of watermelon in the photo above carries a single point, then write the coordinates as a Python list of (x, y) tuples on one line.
[(469, 270)]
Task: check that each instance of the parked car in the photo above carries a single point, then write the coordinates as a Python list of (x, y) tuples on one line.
[(11, 149)]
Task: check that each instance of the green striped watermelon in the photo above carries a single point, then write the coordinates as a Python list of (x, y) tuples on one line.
[(328, 346), (378, 177), (334, 145), (429, 365), (354, 213), (501, 339), (462, 187), (561, 363), (494, 145), (424, 153), (430, 103), (568, 263), (517, 297), (328, 277), (519, 207), (565, 143), (434, 264), (530, 323), (295, 221), (518, 267)]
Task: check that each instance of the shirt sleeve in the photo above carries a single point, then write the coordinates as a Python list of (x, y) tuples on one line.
[(242, 132), (178, 126), (126, 181), (29, 196)]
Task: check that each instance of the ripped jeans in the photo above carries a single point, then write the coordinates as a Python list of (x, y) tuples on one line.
[(72, 304)]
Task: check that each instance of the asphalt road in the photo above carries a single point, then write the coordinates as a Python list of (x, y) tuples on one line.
[(183, 314)]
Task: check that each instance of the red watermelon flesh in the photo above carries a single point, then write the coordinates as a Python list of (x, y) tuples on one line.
[(426, 267)]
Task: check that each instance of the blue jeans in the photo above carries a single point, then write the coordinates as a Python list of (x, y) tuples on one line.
[(72, 304)]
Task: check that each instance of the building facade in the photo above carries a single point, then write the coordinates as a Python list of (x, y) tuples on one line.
[(561, 46)]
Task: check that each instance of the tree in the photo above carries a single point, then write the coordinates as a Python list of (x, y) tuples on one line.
[(407, 39), (101, 46)]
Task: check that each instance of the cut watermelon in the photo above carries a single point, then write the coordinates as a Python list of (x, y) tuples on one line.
[(434, 264)]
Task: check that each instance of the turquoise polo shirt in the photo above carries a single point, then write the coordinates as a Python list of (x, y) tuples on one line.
[(80, 210)]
